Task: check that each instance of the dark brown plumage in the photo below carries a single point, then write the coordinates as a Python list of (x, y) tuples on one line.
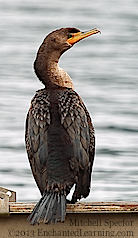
[(60, 139)]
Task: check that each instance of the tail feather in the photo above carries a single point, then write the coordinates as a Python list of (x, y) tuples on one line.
[(50, 209), (42, 207), (63, 208), (34, 210)]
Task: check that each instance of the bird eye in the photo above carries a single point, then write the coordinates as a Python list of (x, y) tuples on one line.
[(70, 35)]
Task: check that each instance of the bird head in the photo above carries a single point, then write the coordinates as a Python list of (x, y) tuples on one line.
[(55, 44), (63, 39)]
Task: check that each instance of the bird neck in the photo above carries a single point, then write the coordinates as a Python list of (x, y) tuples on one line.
[(49, 72), (57, 75)]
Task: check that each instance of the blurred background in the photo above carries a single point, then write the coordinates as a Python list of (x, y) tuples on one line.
[(104, 69)]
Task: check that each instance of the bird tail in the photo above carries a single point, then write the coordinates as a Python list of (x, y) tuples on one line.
[(50, 209)]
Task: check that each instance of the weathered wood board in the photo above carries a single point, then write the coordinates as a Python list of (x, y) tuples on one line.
[(83, 220)]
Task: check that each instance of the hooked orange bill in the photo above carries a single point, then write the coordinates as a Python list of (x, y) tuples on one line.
[(81, 35)]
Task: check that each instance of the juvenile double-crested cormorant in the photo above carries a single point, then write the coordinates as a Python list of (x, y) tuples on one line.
[(60, 139)]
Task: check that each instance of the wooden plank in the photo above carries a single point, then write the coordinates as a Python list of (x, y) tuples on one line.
[(93, 207), (4, 204), (10, 193), (97, 225), (105, 219)]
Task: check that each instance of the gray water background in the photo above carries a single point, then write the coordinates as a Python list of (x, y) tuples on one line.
[(104, 69)]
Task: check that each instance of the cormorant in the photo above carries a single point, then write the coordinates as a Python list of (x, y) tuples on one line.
[(59, 136)]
